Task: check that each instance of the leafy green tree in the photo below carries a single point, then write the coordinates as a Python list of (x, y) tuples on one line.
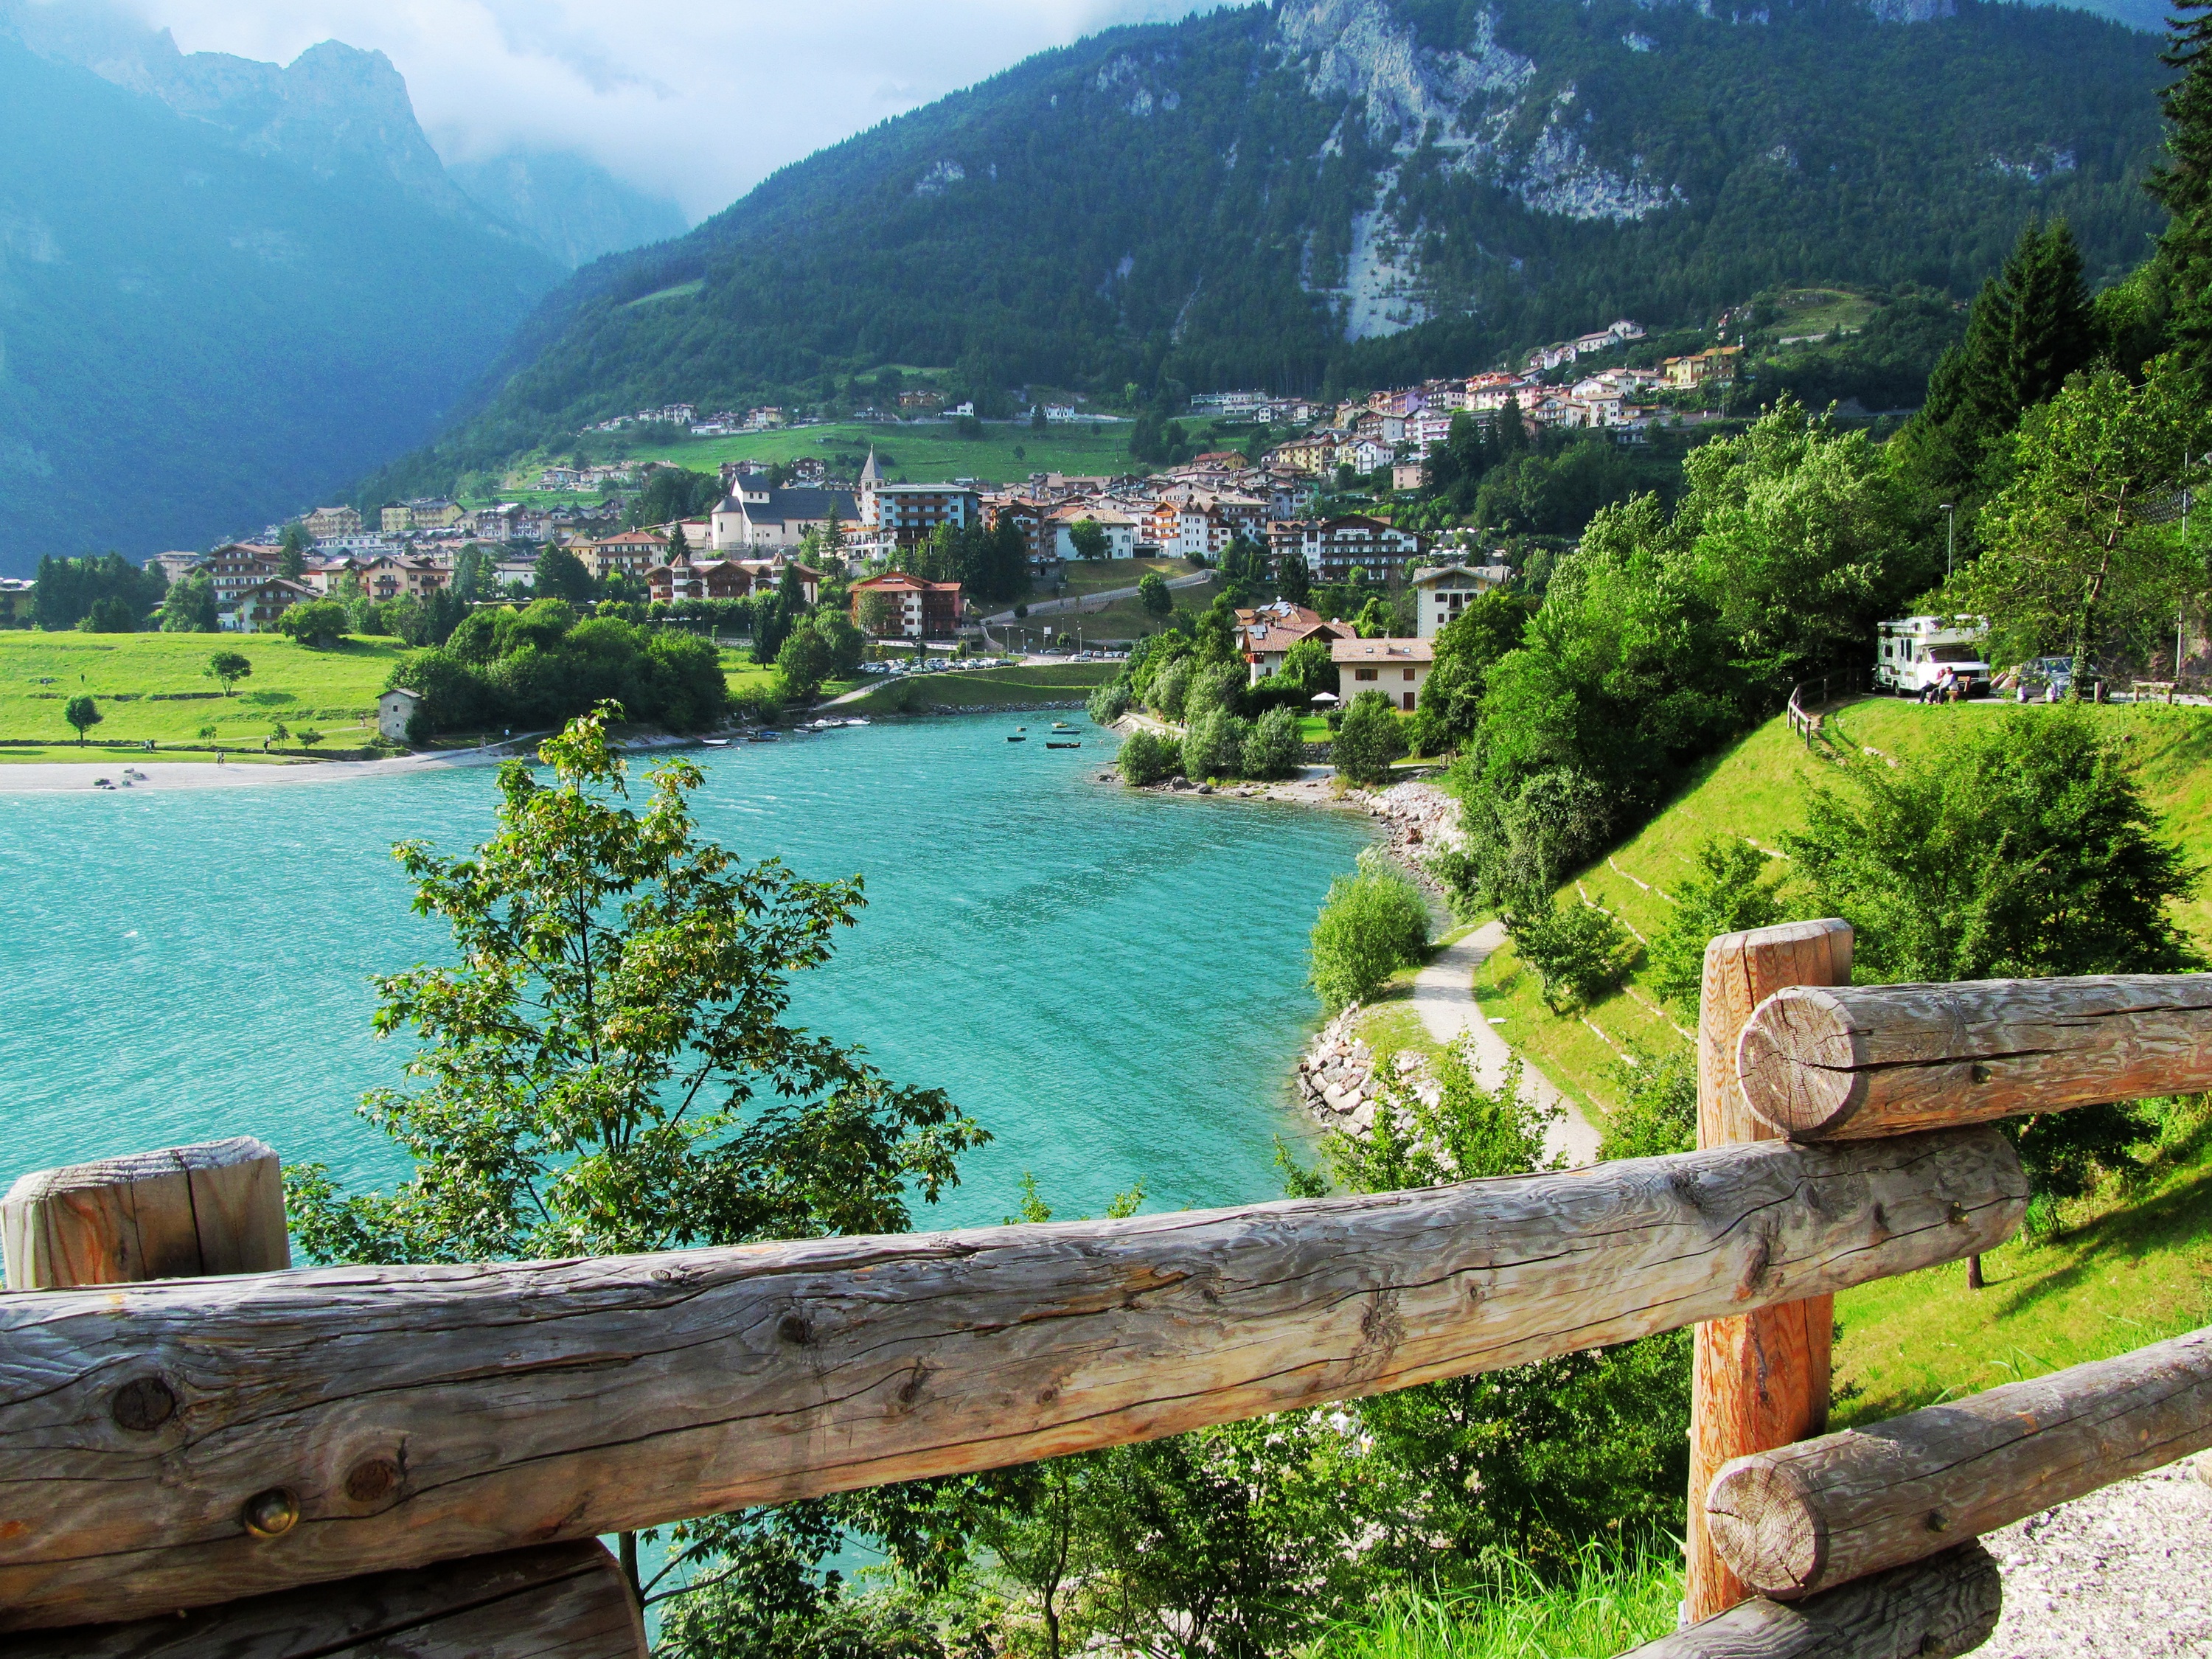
[(1293, 580), (1370, 738), (1214, 745), (1731, 890), (1373, 923), (562, 575), (1170, 686), (1309, 668), (189, 607), (878, 613), (1108, 703), (228, 667), (1580, 953), (1153, 595), (1658, 1109), (607, 1068), (804, 662), (1088, 538), (83, 713), (2184, 187), (292, 550), (2079, 545), (1146, 757), (1274, 749), (315, 623), (110, 615), (1488, 627)]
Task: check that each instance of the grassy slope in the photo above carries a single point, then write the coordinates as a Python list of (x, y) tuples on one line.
[(2129, 1269), (1124, 619), (920, 452), (983, 687), (334, 691)]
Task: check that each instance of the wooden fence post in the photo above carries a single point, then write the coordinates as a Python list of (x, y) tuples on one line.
[(208, 1211), (188, 1212), (1760, 1380)]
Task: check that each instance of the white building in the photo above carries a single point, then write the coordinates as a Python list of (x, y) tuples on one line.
[(1442, 592)]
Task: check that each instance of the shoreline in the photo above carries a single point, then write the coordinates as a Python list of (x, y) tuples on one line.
[(124, 771)]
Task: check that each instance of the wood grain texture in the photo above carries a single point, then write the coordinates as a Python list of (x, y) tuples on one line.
[(183, 1213), (1760, 1379), (1883, 1060), (1933, 1609), (417, 1414), (561, 1602), (1800, 1519)]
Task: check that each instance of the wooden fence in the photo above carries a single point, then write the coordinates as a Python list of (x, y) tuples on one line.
[(204, 1451)]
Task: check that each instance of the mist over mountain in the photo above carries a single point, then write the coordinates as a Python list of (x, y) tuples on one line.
[(1335, 192), (572, 208)]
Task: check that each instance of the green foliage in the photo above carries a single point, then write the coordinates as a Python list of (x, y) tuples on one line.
[(315, 623), (1728, 892), (1369, 740), (671, 494), (1658, 1109), (2080, 553), (1213, 747), (1146, 757), (1088, 538), (1311, 668), (561, 575), (1273, 748), (1170, 686), (2183, 186), (990, 562), (544, 667), (1109, 703), (1373, 923), (606, 1069), (189, 607), (1581, 953), (68, 592), (83, 713), (228, 667), (1489, 625), (1152, 594)]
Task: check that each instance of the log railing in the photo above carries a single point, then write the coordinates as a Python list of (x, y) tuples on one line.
[(422, 1443)]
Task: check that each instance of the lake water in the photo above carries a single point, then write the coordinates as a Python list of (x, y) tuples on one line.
[(1111, 983)]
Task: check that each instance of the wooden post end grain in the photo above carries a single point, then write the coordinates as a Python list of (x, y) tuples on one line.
[(1760, 1379), (188, 1212), (1933, 1609), (1800, 1519)]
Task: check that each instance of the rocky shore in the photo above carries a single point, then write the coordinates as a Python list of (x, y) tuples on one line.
[(1336, 1080)]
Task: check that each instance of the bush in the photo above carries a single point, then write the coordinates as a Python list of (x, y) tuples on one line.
[(1170, 686), (315, 624), (1273, 749), (1212, 688), (1658, 1111), (1148, 758), (1108, 703), (1728, 894), (1214, 746), (1373, 923), (1370, 737), (1581, 953)]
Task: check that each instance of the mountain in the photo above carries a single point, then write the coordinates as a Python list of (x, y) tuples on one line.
[(208, 320), (1336, 193), (572, 208)]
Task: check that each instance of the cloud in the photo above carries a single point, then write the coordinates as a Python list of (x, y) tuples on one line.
[(697, 101)]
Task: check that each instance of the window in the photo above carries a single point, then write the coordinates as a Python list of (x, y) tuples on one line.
[(1367, 674), (1409, 673)]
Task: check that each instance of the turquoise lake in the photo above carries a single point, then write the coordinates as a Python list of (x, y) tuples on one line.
[(1111, 983)]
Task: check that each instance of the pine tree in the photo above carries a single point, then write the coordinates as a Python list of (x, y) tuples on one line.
[(2184, 186)]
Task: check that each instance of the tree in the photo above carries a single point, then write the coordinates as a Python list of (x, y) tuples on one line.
[(1153, 595), (1309, 667), (1369, 740), (2184, 187), (1273, 749), (562, 575), (1731, 890), (2078, 542), (1293, 580), (1579, 953), (189, 607), (315, 623), (292, 550), (1146, 757), (878, 612), (606, 1067), (1373, 923), (804, 662), (83, 713), (1488, 627), (111, 616), (1088, 538), (230, 667), (1214, 745)]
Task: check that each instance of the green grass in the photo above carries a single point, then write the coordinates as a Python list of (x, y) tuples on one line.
[(1083, 578), (1620, 1598), (2127, 1268), (1124, 619), (135, 678), (983, 688), (922, 454)]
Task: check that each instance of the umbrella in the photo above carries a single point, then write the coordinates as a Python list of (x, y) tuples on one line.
[(1327, 696)]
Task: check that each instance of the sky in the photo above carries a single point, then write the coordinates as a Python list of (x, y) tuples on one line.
[(695, 99)]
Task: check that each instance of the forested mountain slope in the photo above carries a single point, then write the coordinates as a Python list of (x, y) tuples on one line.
[(1347, 190), (212, 316)]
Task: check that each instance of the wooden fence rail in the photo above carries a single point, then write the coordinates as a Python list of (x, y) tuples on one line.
[(1823, 1063), (1828, 1510), (330, 1422)]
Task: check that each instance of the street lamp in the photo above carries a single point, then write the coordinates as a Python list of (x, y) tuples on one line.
[(1950, 536)]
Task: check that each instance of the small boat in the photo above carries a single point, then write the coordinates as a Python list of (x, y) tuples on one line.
[(1018, 737), (715, 743), (1063, 745), (857, 719), (1062, 725), (760, 737)]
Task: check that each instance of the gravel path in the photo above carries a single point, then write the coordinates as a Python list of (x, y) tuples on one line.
[(2125, 1572)]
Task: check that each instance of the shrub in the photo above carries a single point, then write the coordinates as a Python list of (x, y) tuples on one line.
[(1148, 758), (315, 624), (1169, 687), (1214, 746), (1729, 893), (1273, 749), (1370, 737), (1373, 923), (1658, 1111), (1212, 688), (1108, 703), (1581, 953)]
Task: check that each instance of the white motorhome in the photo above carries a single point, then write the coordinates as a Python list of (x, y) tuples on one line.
[(1912, 652)]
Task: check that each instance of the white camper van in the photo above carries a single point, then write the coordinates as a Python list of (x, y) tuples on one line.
[(1912, 652)]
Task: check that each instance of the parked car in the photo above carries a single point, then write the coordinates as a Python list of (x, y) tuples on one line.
[(2050, 677)]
